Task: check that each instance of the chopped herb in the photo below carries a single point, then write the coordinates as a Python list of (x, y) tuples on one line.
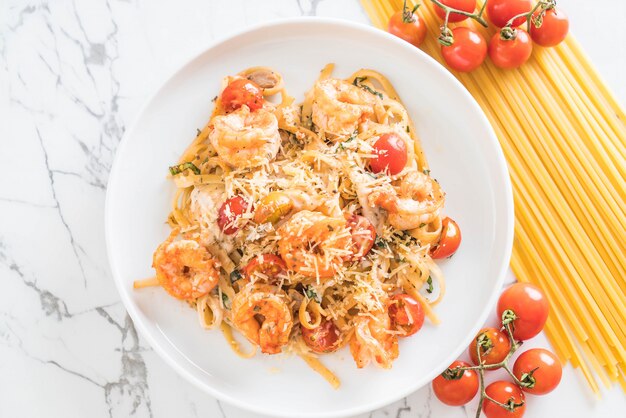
[(214, 99), (311, 294), (422, 225), (330, 228), (198, 132), (408, 130), (358, 82), (381, 243), (177, 169), (235, 275), (429, 289), (226, 301), (427, 172), (256, 309)]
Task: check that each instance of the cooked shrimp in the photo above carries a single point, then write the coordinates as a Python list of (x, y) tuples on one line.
[(245, 139), (339, 107), (262, 314), (373, 341), (417, 200), (184, 268), (314, 244)]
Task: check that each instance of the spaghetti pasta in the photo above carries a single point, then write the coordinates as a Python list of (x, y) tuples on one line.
[(564, 136), (283, 230)]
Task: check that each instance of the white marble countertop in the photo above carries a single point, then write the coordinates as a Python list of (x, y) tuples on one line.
[(72, 77)]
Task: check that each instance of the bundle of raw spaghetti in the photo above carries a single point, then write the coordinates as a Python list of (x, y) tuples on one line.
[(564, 137)]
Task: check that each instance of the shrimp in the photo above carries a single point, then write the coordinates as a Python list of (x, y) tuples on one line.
[(416, 201), (339, 107), (314, 244), (262, 314), (245, 139), (372, 340), (184, 268)]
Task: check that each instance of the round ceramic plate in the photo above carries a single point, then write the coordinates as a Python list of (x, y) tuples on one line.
[(464, 156)]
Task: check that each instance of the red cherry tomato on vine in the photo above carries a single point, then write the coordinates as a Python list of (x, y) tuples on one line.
[(501, 11), (229, 212), (467, 52), (529, 304), (465, 5), (456, 392), (503, 392), (553, 30), (323, 339), (543, 367), (449, 241), (363, 235), (406, 314), (242, 92), (408, 26), (269, 265), (494, 346), (391, 154), (510, 53)]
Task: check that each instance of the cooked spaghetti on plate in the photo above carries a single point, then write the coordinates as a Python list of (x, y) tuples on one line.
[(307, 226)]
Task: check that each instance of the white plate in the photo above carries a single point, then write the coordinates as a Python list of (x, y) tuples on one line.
[(464, 156)]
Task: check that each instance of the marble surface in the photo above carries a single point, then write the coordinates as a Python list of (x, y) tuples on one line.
[(72, 77)]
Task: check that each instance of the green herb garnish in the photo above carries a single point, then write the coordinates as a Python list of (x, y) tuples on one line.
[(429, 289), (226, 301), (177, 169), (358, 82), (235, 275)]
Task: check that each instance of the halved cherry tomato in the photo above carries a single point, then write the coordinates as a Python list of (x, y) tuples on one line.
[(456, 392), (504, 392), (465, 5), (467, 52), (494, 346), (541, 367), (406, 314), (363, 235), (269, 265), (272, 207), (449, 241), (391, 154), (501, 11), (323, 339), (529, 304), (553, 30), (242, 92), (510, 53), (229, 212), (408, 26)]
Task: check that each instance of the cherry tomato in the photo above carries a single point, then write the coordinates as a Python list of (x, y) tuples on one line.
[(465, 5), (467, 52), (510, 53), (504, 392), (456, 392), (553, 30), (242, 92), (229, 212), (494, 346), (449, 241), (391, 154), (543, 367), (530, 306), (409, 27), (269, 265), (406, 314), (501, 11), (323, 339), (363, 235)]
